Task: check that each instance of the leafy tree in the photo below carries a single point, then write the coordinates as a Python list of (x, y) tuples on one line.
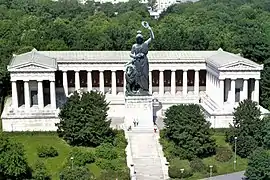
[(265, 85), (258, 165), (186, 126), (265, 133), (83, 120), (246, 127), (13, 164), (78, 173), (40, 172), (152, 4)]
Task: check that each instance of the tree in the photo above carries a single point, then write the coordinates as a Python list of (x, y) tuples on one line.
[(83, 120), (186, 126), (265, 85), (258, 165), (13, 164), (40, 172), (78, 173), (153, 4), (246, 127)]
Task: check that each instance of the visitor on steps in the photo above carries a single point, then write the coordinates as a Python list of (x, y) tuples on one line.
[(155, 129), (134, 122), (137, 122)]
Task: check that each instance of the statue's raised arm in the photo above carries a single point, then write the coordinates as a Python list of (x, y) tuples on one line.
[(146, 25)]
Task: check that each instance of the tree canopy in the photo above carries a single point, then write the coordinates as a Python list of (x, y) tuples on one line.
[(187, 128), (83, 120)]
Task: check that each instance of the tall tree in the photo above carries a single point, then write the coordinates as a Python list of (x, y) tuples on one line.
[(258, 165), (265, 85), (83, 120), (186, 126)]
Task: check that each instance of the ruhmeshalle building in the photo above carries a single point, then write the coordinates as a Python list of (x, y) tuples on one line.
[(42, 81)]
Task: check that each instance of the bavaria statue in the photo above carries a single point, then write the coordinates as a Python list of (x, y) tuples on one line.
[(137, 70)]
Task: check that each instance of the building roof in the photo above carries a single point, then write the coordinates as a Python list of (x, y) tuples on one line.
[(33, 57), (219, 59)]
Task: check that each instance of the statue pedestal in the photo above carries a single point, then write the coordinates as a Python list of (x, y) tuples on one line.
[(140, 108)]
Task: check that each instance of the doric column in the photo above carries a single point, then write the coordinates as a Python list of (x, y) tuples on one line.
[(256, 90), (40, 95), (150, 82), (196, 83), (89, 80), (53, 98), (113, 83), (221, 90), (26, 95), (232, 99), (245, 90), (14, 95), (124, 81), (65, 83), (77, 80), (207, 82), (161, 82), (173, 85), (184, 82), (101, 81)]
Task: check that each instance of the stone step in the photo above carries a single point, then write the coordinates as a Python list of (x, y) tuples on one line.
[(144, 177)]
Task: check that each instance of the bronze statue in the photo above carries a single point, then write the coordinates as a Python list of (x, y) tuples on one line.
[(137, 70)]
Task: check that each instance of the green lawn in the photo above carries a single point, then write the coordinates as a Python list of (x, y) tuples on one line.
[(54, 165), (222, 168)]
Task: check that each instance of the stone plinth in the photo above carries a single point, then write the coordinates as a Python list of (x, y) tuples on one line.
[(140, 108)]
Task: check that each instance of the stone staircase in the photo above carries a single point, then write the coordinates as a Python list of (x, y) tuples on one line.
[(146, 155)]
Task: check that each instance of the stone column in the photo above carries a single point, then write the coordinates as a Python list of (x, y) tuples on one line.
[(40, 95), (150, 82), (65, 83), (77, 80), (245, 90), (221, 89), (101, 81), (207, 83), (196, 83), (89, 81), (173, 85), (14, 95), (53, 98), (114, 88), (184, 82), (26, 95), (161, 83), (256, 91), (124, 82), (232, 99)]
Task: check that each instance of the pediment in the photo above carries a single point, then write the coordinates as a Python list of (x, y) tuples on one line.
[(31, 67), (240, 66)]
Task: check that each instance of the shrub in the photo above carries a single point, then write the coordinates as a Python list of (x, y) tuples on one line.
[(223, 154), (115, 164), (120, 140), (110, 174), (81, 156), (45, 151), (106, 151), (197, 165), (40, 172), (78, 173), (175, 169)]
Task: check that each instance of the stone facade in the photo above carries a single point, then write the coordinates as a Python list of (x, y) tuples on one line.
[(42, 80)]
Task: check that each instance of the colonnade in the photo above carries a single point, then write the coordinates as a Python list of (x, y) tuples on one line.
[(27, 102), (114, 85)]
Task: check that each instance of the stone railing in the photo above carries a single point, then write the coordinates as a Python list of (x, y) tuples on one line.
[(163, 159), (130, 163)]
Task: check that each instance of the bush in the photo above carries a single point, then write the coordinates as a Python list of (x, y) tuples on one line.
[(78, 173), (175, 169), (106, 151), (197, 165), (120, 140), (110, 174), (223, 154), (45, 151), (115, 164), (40, 172), (81, 156)]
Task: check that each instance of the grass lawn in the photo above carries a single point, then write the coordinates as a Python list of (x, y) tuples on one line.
[(222, 168), (54, 165)]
